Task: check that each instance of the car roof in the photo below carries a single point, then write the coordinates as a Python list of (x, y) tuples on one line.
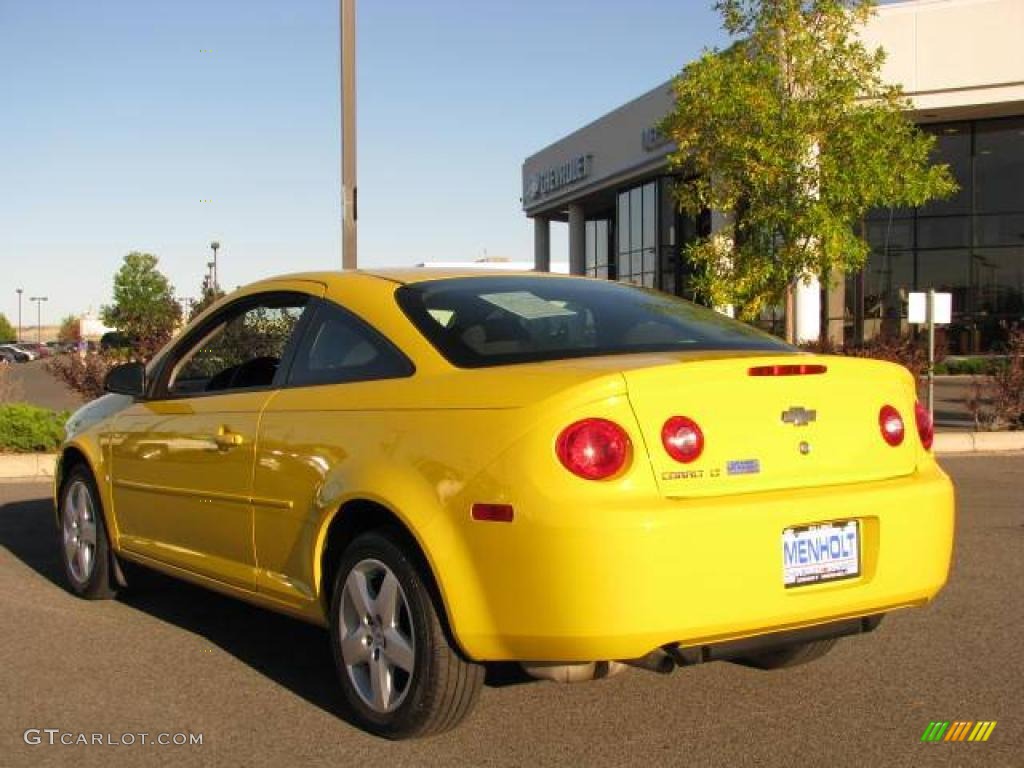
[(408, 275)]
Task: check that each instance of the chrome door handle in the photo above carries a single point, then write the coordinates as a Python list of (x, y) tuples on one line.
[(225, 439)]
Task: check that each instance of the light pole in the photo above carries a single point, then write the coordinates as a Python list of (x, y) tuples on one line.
[(215, 246), (347, 19), (20, 291), (39, 316)]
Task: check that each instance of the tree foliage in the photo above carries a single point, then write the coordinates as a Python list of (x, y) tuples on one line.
[(7, 331), (144, 307), (794, 135), (70, 330)]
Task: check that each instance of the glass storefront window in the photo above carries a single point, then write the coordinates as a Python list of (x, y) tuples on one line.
[(596, 248), (999, 166), (971, 245), (636, 259), (953, 147)]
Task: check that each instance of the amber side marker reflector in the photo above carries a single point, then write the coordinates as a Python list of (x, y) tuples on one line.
[(493, 513), (786, 370)]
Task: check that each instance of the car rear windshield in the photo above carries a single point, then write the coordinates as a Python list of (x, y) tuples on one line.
[(499, 320)]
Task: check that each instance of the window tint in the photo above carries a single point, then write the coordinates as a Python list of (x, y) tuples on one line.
[(499, 320), (339, 347), (242, 349)]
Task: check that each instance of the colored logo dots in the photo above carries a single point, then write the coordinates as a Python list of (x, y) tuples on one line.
[(958, 730)]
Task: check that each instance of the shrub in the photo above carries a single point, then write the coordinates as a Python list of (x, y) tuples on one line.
[(913, 355), (83, 375), (26, 428), (997, 402)]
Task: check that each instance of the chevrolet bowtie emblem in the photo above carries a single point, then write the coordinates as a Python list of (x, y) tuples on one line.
[(798, 416)]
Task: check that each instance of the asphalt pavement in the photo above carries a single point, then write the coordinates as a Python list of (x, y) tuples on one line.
[(260, 688), (34, 384)]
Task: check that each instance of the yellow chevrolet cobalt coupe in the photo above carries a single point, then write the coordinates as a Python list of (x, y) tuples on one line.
[(448, 469)]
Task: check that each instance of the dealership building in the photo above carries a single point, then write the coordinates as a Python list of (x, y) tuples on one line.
[(961, 62)]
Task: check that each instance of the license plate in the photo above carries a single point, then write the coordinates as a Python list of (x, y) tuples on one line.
[(812, 554)]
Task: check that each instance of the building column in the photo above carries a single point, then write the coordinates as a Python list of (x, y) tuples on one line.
[(577, 239), (720, 222), (836, 303), (541, 244), (807, 308)]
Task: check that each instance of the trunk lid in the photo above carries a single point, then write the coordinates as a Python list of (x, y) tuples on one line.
[(770, 432)]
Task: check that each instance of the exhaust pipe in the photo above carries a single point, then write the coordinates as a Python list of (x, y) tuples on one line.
[(656, 661)]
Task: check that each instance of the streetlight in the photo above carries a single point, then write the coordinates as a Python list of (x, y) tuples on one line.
[(215, 246), (39, 316), (20, 291), (347, 19)]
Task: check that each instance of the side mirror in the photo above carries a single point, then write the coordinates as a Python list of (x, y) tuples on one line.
[(127, 379)]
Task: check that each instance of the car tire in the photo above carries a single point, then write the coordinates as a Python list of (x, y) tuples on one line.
[(789, 656), (385, 618), (84, 547)]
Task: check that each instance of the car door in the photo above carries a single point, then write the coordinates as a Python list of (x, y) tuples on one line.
[(182, 459), (343, 374)]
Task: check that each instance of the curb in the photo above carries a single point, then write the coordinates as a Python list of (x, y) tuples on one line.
[(27, 466), (977, 442)]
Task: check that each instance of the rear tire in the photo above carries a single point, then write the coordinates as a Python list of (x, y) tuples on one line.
[(84, 547), (788, 656), (400, 676)]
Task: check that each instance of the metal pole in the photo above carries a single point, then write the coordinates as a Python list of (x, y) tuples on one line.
[(39, 316), (20, 291), (347, 15), (931, 353), (215, 246)]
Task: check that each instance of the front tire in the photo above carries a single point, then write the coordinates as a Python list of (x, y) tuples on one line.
[(400, 676), (85, 549)]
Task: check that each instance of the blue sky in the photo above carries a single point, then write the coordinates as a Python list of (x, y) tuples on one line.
[(118, 118)]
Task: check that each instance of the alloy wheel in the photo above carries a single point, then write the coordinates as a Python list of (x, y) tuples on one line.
[(376, 636)]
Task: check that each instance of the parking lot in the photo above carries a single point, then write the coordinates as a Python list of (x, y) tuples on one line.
[(260, 688)]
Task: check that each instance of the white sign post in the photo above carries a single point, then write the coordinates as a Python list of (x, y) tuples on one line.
[(935, 309)]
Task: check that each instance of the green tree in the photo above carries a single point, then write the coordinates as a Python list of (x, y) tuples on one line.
[(144, 308), (7, 331), (794, 135), (70, 330)]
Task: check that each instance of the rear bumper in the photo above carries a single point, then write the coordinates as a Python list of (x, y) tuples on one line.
[(615, 583)]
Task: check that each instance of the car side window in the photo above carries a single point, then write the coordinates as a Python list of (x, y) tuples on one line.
[(240, 349), (338, 347)]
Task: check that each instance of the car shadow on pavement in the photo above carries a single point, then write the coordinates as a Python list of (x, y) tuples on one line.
[(289, 652)]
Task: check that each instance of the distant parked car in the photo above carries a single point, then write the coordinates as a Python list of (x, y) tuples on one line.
[(13, 354), (37, 350)]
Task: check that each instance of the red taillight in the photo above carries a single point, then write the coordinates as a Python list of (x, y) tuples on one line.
[(682, 439), (891, 424), (925, 426), (593, 448), (786, 370)]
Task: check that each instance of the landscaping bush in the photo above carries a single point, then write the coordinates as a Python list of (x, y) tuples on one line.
[(84, 375), (997, 401), (27, 428), (912, 355)]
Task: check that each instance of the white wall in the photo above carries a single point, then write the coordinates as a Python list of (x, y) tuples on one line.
[(954, 54)]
